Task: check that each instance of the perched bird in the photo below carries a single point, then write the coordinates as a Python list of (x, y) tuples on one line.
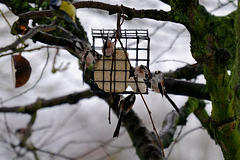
[(108, 47), (96, 55), (21, 133), (81, 47), (143, 72), (87, 59), (64, 9), (124, 105), (157, 84)]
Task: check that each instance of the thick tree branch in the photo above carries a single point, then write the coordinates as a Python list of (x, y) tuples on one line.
[(68, 44), (186, 88), (68, 41), (24, 17), (146, 143), (173, 119), (187, 72), (41, 103), (173, 86), (205, 120), (128, 12), (112, 9)]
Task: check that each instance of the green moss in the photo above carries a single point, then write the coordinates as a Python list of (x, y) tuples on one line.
[(218, 86), (176, 18), (230, 138), (21, 110), (223, 28), (237, 156), (192, 104), (235, 70), (18, 6)]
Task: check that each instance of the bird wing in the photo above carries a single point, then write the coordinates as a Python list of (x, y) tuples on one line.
[(69, 9)]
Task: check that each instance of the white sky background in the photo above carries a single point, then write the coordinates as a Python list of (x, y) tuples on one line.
[(85, 124)]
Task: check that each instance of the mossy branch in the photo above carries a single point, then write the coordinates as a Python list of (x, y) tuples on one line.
[(173, 119), (41, 103)]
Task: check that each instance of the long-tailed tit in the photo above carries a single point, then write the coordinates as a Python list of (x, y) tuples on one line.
[(108, 48), (157, 84), (142, 72), (124, 105), (87, 59)]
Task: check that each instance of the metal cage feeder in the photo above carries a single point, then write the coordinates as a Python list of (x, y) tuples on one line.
[(113, 74)]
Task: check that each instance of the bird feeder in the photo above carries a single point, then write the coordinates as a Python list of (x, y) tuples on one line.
[(115, 74)]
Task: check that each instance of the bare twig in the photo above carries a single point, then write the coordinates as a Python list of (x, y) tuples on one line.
[(9, 25), (190, 131), (179, 138), (29, 50), (29, 34), (50, 139), (170, 46), (172, 60), (60, 68), (170, 151), (222, 5), (55, 154)]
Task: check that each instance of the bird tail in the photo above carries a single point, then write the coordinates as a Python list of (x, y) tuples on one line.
[(76, 27), (161, 89), (69, 19), (171, 101), (83, 71), (116, 132)]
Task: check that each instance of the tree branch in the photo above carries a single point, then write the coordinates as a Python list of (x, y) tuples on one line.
[(186, 88), (112, 9), (68, 44), (188, 72), (173, 86), (24, 17), (146, 143), (129, 12), (41, 103), (37, 16), (173, 119), (205, 120), (29, 34)]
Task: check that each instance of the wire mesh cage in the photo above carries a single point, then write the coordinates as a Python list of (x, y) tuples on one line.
[(115, 74)]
